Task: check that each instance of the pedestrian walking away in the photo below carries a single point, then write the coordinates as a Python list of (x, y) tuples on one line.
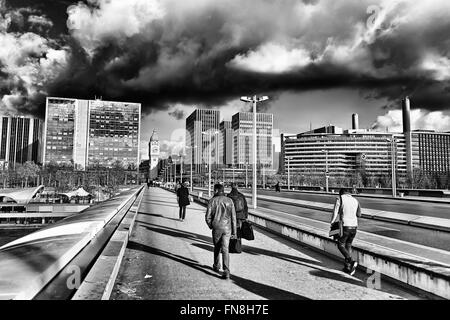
[(183, 200), (240, 206), (221, 219), (348, 209), (277, 187)]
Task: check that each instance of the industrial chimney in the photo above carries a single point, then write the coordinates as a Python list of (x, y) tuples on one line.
[(406, 112), (355, 121)]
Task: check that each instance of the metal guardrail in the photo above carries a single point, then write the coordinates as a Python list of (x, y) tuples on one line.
[(51, 263)]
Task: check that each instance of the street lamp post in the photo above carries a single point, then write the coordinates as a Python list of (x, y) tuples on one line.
[(191, 169), (246, 176), (289, 173), (393, 168), (254, 100), (181, 168), (326, 170), (209, 160)]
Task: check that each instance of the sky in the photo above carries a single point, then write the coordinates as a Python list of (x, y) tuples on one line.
[(319, 61)]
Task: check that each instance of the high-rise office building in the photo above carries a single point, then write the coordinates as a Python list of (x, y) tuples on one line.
[(86, 132), (20, 140), (242, 125), (226, 144), (202, 130)]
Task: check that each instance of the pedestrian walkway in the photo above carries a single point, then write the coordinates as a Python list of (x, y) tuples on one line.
[(169, 259)]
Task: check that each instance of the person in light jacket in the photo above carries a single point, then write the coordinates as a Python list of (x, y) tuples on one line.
[(221, 219), (347, 207)]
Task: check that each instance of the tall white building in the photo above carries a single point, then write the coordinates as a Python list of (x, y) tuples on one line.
[(242, 125), (202, 130), (87, 132)]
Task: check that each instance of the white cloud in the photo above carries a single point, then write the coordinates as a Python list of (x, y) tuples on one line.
[(272, 58), (30, 63), (111, 19), (420, 120), (438, 65)]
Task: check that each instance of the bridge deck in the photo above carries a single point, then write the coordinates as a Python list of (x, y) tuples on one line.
[(169, 259)]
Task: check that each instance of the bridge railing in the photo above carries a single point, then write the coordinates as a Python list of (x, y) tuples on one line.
[(52, 262)]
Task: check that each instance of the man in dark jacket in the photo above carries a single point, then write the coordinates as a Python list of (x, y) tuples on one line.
[(240, 204), (221, 218), (183, 200)]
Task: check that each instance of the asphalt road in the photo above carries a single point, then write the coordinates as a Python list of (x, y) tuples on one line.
[(439, 210), (426, 237)]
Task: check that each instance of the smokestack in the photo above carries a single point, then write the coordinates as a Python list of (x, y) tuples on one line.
[(355, 121), (406, 112)]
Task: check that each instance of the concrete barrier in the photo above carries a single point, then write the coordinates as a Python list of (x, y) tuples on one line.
[(408, 269), (42, 264), (99, 282)]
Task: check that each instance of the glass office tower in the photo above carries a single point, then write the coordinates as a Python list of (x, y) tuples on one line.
[(88, 132), (20, 140)]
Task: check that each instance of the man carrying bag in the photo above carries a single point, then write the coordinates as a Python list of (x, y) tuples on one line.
[(348, 210), (244, 228), (221, 219)]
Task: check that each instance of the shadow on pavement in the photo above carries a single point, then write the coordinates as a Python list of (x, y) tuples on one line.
[(337, 277), (158, 216), (189, 262), (260, 289), (205, 242), (266, 291)]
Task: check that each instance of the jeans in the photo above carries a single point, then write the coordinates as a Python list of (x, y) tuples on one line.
[(182, 212), (345, 245), (221, 242)]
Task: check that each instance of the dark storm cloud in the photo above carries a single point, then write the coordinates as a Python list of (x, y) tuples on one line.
[(178, 114), (209, 52)]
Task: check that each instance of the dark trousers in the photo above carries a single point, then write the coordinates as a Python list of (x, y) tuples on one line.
[(221, 242), (345, 245), (182, 212), (239, 227)]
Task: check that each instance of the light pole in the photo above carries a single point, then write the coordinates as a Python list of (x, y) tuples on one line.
[(232, 166), (393, 168), (289, 173), (326, 169), (246, 176), (174, 170), (209, 133), (263, 177), (192, 182), (254, 100), (181, 168)]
